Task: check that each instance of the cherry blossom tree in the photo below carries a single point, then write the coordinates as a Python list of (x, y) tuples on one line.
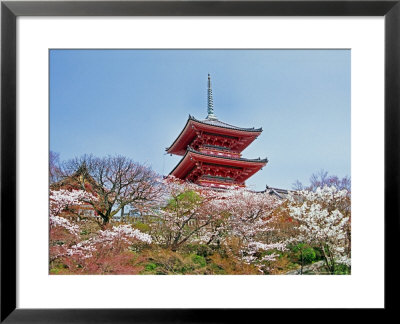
[(249, 222), (64, 232), (237, 219), (93, 254), (186, 215), (118, 182), (323, 217)]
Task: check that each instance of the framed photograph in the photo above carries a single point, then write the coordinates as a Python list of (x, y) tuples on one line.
[(163, 158)]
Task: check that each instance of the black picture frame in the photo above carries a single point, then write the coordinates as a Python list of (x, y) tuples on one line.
[(10, 10)]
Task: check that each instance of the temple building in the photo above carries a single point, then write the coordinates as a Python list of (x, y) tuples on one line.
[(212, 151)]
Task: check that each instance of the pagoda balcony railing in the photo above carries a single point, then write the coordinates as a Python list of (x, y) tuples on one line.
[(218, 152), (223, 179), (217, 147)]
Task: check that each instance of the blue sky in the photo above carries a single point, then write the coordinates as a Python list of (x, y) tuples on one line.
[(136, 102)]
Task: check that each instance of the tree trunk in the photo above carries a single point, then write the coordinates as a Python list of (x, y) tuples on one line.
[(122, 213), (332, 260), (175, 243), (301, 269), (326, 260)]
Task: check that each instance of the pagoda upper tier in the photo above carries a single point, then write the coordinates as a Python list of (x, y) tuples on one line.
[(213, 133), (212, 150)]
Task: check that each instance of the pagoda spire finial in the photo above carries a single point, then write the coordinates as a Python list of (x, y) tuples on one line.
[(210, 103)]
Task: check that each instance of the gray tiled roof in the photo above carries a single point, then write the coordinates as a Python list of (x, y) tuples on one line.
[(281, 193)]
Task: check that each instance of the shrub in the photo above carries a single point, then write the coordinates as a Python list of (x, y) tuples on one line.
[(145, 228), (199, 249), (309, 255), (342, 269), (318, 254), (150, 266), (231, 266), (200, 260)]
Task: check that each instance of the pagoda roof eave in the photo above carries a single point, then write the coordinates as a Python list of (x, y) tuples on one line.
[(230, 129), (217, 123), (239, 161), (179, 163), (180, 134), (258, 160)]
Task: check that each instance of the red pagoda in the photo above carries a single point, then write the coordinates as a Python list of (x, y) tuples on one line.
[(211, 151)]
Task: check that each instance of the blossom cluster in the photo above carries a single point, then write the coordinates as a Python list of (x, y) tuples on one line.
[(62, 199), (57, 221), (323, 218), (124, 232), (118, 237)]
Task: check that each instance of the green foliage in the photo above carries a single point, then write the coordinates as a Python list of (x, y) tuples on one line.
[(185, 200), (58, 268), (55, 271), (309, 255), (150, 267), (341, 269), (201, 261), (296, 248), (145, 228), (318, 254)]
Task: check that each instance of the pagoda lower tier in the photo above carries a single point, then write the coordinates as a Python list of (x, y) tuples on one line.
[(217, 171)]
